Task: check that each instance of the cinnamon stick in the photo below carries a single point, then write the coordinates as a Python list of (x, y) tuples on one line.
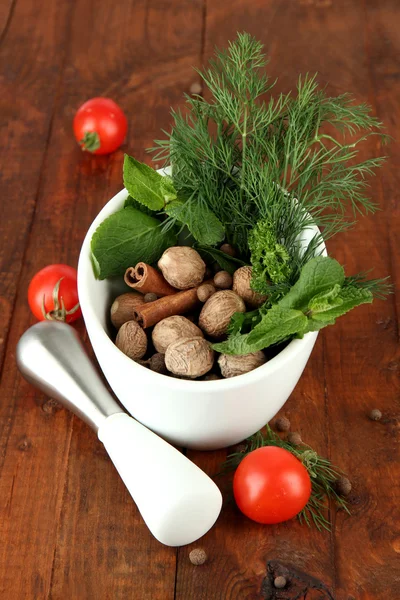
[(153, 312), (144, 279)]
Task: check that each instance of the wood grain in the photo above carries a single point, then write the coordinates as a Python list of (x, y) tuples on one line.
[(73, 531), (68, 527)]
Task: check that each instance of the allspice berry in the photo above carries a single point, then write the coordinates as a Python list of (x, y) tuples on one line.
[(172, 329), (218, 310), (205, 291), (228, 249), (182, 267), (190, 357), (280, 582), (294, 438), (223, 280), (132, 340), (150, 297), (241, 285), (157, 363), (122, 308), (343, 486), (375, 414), (198, 556), (233, 365), (282, 424)]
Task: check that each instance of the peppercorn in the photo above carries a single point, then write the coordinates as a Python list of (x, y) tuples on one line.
[(205, 291), (223, 280), (282, 424), (157, 363), (195, 88), (198, 556), (294, 438), (228, 249), (280, 582), (150, 297), (375, 414), (343, 486)]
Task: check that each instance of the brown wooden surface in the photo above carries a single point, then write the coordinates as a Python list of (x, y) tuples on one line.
[(68, 528)]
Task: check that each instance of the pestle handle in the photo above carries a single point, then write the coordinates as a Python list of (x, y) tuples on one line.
[(178, 502)]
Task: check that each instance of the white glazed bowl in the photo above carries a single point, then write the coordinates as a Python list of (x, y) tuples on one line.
[(204, 415)]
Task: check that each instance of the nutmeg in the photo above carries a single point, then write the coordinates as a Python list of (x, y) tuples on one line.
[(241, 285), (123, 306), (182, 267), (218, 310), (132, 340), (172, 329), (233, 365), (189, 357)]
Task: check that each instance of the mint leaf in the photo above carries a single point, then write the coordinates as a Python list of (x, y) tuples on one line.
[(135, 204), (202, 223), (167, 189), (349, 297), (317, 276), (143, 183), (276, 325), (226, 262), (125, 238), (325, 300)]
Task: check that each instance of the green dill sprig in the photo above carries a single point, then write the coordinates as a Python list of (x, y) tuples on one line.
[(379, 288), (248, 158), (322, 473)]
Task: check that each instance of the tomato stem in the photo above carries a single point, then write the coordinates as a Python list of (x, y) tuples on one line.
[(90, 141), (59, 313)]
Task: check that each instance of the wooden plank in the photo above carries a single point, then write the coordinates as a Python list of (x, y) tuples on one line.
[(68, 526), (239, 549), (31, 55), (361, 562), (363, 352)]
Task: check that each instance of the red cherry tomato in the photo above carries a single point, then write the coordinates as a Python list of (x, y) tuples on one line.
[(100, 126), (53, 294), (271, 485)]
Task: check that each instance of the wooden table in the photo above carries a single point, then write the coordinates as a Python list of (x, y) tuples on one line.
[(68, 528)]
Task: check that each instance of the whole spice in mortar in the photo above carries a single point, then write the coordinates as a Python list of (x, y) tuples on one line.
[(205, 291), (232, 365), (189, 357), (150, 297), (241, 285), (145, 279), (132, 340), (157, 363), (218, 311), (228, 249), (171, 330), (182, 267), (122, 308), (148, 314), (223, 280)]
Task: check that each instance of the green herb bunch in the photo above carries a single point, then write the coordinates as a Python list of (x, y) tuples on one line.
[(246, 159), (322, 473), (261, 173)]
